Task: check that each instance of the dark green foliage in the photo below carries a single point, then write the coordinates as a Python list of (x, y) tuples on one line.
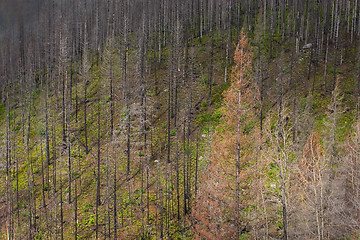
[(2, 111)]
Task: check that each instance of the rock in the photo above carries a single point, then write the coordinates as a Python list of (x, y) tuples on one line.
[(307, 46)]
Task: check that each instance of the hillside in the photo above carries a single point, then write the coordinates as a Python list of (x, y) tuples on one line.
[(179, 119)]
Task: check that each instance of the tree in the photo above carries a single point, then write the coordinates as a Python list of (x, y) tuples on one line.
[(85, 75), (350, 169), (310, 190), (98, 173), (223, 193), (272, 175)]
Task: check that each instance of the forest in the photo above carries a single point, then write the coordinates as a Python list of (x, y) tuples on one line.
[(180, 119)]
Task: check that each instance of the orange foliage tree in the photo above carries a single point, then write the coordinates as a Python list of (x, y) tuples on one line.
[(351, 171), (312, 177), (222, 201)]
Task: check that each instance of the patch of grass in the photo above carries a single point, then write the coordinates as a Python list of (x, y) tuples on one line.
[(41, 131), (2, 111), (46, 187), (36, 93), (344, 126), (319, 103), (87, 207), (286, 70), (331, 70), (173, 132), (217, 98), (204, 80), (349, 91), (213, 118)]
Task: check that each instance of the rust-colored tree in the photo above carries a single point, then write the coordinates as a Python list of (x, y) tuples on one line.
[(310, 191), (350, 170), (220, 207)]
